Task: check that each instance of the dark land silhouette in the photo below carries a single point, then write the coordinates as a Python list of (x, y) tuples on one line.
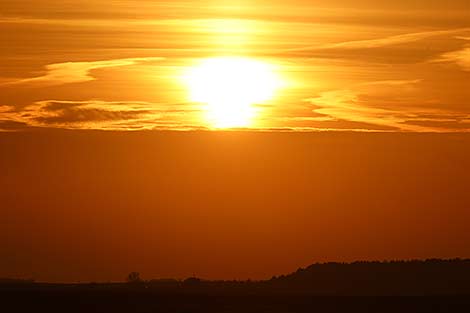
[(397, 286)]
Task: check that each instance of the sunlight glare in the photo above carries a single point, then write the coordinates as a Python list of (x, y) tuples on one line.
[(230, 87)]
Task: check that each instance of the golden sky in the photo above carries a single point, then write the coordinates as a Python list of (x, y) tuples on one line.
[(94, 206), (342, 64), (81, 204)]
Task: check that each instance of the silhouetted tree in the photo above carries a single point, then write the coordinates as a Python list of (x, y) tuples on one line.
[(134, 277), (192, 282)]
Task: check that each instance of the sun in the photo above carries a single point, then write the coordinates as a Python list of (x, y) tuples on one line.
[(230, 87)]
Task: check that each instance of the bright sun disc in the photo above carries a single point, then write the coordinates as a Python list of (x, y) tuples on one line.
[(230, 86)]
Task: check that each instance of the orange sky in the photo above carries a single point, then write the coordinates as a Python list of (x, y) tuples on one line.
[(357, 65), (82, 205), (386, 83)]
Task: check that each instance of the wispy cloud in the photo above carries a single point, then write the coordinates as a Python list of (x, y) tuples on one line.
[(403, 82), (348, 109), (109, 115), (76, 72), (345, 105), (358, 105), (460, 57), (382, 42), (357, 66)]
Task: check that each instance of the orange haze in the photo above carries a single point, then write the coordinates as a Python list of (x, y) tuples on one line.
[(83, 205)]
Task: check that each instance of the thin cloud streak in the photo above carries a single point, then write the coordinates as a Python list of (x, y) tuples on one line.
[(460, 57), (368, 67), (381, 42), (76, 72), (107, 115), (350, 105)]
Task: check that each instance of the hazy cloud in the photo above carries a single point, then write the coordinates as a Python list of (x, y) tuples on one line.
[(76, 72), (356, 62), (460, 57), (111, 115), (381, 42), (360, 105)]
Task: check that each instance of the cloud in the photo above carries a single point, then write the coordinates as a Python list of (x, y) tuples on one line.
[(444, 124), (381, 42), (345, 105), (76, 72), (108, 115), (362, 105), (392, 82), (338, 110), (333, 124), (8, 121), (408, 48), (460, 57)]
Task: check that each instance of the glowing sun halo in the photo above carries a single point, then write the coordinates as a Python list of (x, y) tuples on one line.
[(230, 86)]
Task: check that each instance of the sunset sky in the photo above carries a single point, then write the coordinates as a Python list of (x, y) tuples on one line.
[(343, 64), (351, 142)]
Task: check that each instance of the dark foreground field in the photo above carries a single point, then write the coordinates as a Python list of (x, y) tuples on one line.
[(378, 287), (114, 300)]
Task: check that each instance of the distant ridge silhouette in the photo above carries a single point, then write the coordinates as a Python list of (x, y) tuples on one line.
[(361, 278), (431, 286), (412, 277)]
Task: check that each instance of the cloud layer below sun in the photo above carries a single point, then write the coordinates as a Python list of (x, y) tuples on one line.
[(350, 65)]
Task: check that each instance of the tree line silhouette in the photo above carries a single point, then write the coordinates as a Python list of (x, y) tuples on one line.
[(412, 277), (401, 277)]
